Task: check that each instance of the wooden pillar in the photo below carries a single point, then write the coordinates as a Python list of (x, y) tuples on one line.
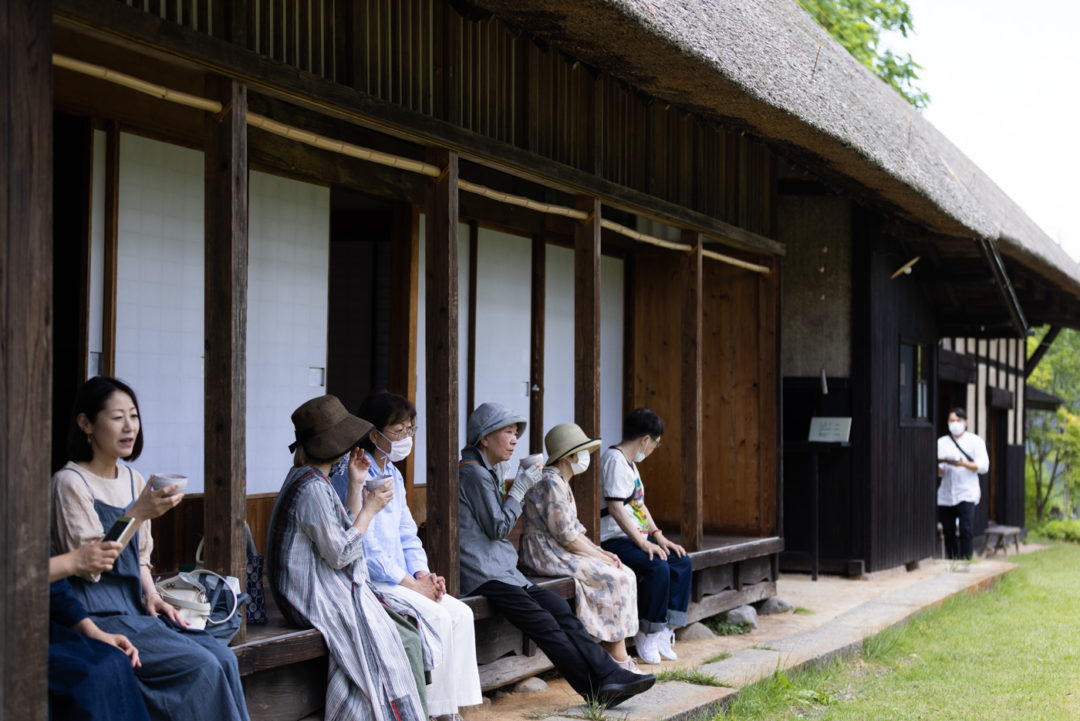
[(692, 464), (111, 242), (401, 373), (26, 177), (587, 356), (536, 345), (225, 324), (441, 346)]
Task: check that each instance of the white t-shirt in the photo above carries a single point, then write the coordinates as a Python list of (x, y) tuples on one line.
[(621, 480), (959, 484)]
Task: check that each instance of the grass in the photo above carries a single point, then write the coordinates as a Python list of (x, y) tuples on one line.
[(1010, 652), (718, 657), (689, 675), (804, 611)]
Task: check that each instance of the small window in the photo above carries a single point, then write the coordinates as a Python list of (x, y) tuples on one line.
[(914, 382)]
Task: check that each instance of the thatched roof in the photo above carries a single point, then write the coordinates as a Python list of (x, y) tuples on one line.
[(767, 65)]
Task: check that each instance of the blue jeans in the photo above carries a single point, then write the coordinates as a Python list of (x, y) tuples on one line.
[(948, 515), (663, 587)]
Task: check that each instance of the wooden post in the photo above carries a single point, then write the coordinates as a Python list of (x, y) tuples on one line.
[(401, 373), (587, 356), (26, 176), (692, 465), (470, 304), (111, 241), (225, 323), (441, 333), (536, 345)]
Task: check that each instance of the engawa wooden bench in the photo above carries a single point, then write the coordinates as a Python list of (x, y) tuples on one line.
[(1000, 536)]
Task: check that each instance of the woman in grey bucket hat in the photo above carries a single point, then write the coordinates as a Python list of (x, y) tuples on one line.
[(489, 563)]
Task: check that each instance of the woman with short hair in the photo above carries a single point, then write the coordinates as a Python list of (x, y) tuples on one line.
[(627, 529), (397, 563)]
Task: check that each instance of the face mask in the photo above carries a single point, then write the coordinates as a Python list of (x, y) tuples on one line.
[(581, 464), (641, 452), (956, 427), (400, 450)]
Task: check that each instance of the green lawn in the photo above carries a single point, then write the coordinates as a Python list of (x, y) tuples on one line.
[(1012, 652)]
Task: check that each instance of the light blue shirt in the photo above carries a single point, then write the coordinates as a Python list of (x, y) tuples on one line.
[(391, 546)]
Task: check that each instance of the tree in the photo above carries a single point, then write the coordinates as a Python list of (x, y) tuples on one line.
[(858, 26), (1053, 439)]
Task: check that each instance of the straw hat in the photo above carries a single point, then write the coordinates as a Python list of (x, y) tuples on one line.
[(567, 439), (325, 429)]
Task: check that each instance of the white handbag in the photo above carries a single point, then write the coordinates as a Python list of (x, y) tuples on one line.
[(187, 593)]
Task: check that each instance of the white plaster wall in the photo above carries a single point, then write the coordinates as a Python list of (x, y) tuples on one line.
[(612, 307), (558, 336), (288, 256), (503, 323), (159, 309)]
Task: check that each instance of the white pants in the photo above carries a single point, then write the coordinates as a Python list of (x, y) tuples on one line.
[(456, 681)]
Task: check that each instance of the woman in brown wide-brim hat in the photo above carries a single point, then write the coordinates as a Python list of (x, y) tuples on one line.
[(554, 543), (318, 576)]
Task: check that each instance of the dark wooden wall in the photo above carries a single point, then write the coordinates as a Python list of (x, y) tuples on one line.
[(894, 460), (739, 386), (491, 79)]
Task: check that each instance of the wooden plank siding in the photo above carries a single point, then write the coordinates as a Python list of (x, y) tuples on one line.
[(739, 375), (424, 56)]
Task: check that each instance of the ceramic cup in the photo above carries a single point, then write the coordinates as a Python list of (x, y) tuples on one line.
[(164, 480)]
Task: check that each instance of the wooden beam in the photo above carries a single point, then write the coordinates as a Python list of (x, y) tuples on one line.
[(587, 356), (112, 232), (692, 453), (441, 348), (536, 344), (404, 268), (225, 324), (1044, 345), (1004, 285), (26, 177)]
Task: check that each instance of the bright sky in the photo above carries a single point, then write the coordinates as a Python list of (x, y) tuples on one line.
[(1004, 85)]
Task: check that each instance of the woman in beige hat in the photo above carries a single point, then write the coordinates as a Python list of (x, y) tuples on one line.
[(554, 543)]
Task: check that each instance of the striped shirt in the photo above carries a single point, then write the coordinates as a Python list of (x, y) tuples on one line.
[(315, 563)]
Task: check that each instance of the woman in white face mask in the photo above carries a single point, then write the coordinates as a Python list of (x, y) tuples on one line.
[(554, 543), (397, 563)]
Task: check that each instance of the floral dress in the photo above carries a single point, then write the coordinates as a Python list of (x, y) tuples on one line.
[(606, 596)]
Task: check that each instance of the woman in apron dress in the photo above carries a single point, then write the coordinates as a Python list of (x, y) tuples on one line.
[(184, 675)]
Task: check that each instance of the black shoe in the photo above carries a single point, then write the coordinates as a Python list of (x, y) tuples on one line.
[(622, 686)]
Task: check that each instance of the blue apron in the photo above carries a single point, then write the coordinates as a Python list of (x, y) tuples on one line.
[(185, 675)]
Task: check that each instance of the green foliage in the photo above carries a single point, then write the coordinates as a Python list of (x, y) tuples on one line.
[(719, 625), (723, 655), (1057, 531), (804, 611), (1053, 439), (858, 25)]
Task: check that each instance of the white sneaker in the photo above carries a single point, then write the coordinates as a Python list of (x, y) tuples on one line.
[(664, 641), (645, 643)]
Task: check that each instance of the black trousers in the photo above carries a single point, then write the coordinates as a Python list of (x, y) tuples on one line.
[(550, 622), (948, 515)]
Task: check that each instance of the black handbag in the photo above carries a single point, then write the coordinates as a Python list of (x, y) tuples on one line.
[(255, 607)]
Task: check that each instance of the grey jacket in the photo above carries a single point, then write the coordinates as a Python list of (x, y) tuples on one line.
[(484, 523)]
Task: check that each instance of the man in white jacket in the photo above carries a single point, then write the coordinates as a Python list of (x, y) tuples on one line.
[(961, 458)]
